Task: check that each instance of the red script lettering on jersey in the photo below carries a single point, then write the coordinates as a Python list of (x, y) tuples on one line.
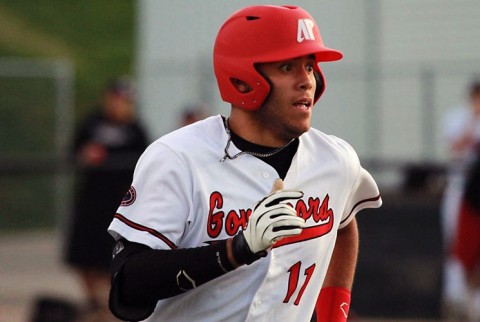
[(319, 212), (232, 222)]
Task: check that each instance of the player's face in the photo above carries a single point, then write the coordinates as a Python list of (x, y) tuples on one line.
[(118, 107), (475, 103), (287, 112)]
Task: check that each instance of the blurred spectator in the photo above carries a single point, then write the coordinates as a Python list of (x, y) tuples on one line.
[(193, 113), (460, 221), (106, 147)]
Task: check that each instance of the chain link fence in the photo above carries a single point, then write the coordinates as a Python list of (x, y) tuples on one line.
[(36, 119)]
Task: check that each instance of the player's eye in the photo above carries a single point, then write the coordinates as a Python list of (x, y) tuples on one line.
[(286, 67)]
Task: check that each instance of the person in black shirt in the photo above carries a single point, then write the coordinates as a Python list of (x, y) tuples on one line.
[(106, 147)]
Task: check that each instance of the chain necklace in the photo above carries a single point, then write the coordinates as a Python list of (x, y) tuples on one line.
[(255, 154)]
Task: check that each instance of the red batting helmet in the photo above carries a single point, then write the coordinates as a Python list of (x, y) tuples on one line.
[(261, 34)]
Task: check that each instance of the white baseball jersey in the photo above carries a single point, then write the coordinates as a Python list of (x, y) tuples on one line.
[(182, 196)]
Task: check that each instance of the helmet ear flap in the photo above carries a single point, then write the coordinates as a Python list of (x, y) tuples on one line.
[(320, 84), (240, 85)]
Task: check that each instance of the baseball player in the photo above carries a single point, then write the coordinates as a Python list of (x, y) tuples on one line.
[(249, 217)]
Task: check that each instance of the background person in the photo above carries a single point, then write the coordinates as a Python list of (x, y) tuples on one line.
[(106, 147), (462, 134), (193, 113)]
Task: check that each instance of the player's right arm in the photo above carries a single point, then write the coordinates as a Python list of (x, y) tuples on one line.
[(141, 275)]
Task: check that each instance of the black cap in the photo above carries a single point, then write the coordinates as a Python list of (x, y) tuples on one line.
[(121, 86)]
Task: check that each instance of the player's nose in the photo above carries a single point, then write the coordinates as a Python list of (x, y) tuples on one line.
[(305, 80)]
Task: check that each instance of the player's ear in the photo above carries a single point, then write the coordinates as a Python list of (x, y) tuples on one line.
[(320, 84), (241, 86)]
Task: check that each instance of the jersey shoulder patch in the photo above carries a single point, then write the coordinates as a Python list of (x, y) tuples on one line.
[(129, 197)]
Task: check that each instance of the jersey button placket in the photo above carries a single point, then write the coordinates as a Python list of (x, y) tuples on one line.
[(266, 175)]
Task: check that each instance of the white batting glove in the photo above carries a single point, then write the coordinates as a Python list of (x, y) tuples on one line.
[(271, 220)]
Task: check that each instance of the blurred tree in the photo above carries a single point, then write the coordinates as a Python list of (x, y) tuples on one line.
[(96, 35)]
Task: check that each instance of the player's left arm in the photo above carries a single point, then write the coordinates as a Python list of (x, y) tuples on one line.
[(341, 270), (333, 303)]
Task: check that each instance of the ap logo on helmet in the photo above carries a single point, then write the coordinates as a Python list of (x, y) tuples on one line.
[(305, 30)]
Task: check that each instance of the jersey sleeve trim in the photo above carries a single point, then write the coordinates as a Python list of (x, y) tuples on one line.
[(358, 204), (151, 231)]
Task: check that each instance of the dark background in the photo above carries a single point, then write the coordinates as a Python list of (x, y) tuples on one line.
[(399, 271)]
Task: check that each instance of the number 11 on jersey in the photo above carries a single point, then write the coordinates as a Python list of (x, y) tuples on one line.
[(293, 281)]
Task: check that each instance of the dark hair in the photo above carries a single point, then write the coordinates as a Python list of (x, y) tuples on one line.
[(121, 86), (475, 88)]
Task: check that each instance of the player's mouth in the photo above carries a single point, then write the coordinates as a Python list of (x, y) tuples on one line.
[(303, 104)]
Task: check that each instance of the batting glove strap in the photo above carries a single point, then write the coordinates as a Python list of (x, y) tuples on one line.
[(333, 304), (242, 252)]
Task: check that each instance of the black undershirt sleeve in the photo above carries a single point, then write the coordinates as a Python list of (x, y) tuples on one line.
[(142, 276)]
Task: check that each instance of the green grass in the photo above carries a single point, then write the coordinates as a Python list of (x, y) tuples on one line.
[(97, 36)]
